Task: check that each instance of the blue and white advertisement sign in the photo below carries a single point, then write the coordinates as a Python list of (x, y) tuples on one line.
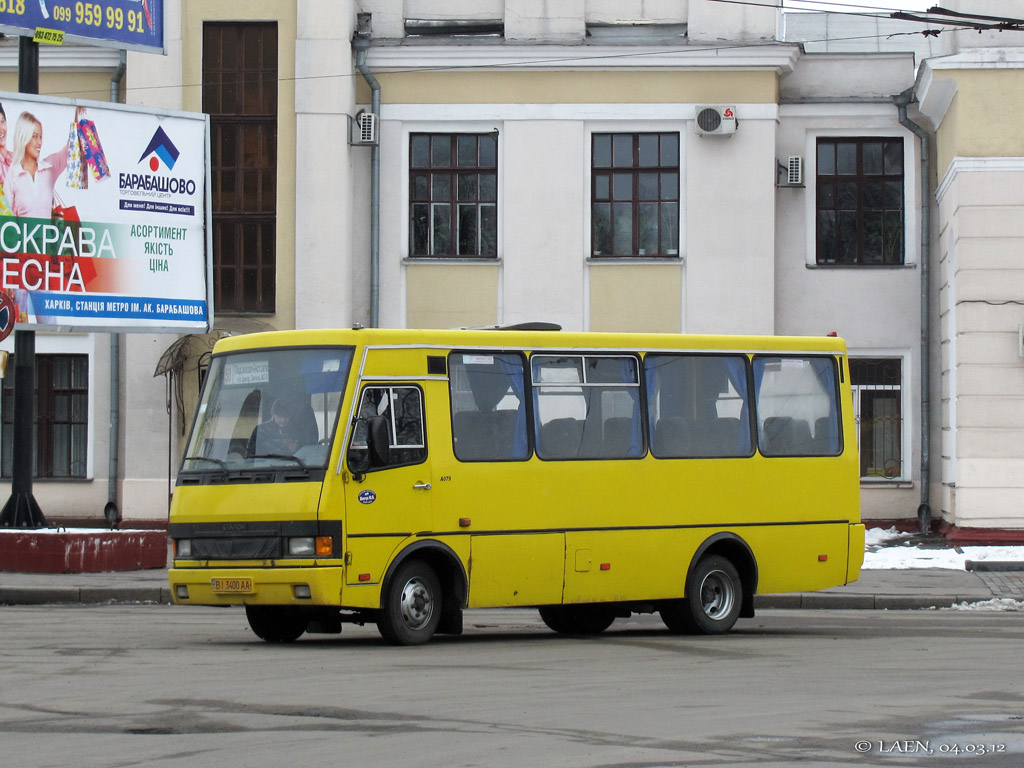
[(103, 216), (132, 24)]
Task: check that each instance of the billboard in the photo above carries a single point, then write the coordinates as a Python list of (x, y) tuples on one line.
[(103, 212), (134, 24)]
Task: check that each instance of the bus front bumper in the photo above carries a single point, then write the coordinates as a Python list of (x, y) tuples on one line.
[(319, 585)]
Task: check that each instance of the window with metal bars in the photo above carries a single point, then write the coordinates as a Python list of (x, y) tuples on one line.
[(453, 193), (240, 95), (878, 409), (634, 194), (61, 432), (859, 203)]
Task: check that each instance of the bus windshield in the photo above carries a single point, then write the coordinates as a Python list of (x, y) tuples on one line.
[(272, 408)]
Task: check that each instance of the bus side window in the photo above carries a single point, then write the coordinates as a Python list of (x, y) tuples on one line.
[(698, 406), (797, 406), (587, 407), (401, 407), (488, 407)]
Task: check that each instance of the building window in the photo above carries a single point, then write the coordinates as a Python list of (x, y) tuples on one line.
[(634, 194), (453, 192), (860, 201), (240, 95), (877, 405), (62, 417)]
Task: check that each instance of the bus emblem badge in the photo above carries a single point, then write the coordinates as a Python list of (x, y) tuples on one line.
[(367, 497)]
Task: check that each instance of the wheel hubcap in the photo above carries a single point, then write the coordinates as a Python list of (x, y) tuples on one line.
[(716, 595), (417, 604)]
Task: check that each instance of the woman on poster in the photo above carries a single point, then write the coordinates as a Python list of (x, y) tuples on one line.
[(31, 177)]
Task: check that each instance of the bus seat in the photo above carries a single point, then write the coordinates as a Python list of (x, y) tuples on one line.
[(672, 438), (722, 437), (825, 442), (470, 441), (786, 436), (501, 433), (561, 438), (618, 433)]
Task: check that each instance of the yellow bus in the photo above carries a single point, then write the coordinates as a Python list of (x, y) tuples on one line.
[(401, 476)]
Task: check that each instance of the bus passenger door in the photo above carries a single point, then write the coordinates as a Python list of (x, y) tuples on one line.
[(392, 499)]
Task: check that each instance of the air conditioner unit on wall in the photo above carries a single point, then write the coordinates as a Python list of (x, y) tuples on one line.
[(716, 120), (791, 174), (795, 171), (365, 129)]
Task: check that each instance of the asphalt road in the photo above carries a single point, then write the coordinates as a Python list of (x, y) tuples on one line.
[(157, 685)]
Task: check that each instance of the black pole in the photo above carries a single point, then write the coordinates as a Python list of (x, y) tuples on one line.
[(21, 509)]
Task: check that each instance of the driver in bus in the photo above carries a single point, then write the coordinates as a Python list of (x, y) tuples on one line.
[(277, 436)]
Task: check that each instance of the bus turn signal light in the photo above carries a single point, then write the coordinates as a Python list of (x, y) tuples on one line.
[(324, 546), (822, 558)]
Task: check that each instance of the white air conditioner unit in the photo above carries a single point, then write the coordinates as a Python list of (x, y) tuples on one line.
[(795, 171), (365, 129), (717, 120)]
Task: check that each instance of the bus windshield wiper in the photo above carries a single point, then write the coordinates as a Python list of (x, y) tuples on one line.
[(218, 462)]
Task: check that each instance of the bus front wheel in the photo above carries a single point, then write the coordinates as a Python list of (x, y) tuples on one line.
[(714, 594), (577, 619), (411, 606), (276, 624)]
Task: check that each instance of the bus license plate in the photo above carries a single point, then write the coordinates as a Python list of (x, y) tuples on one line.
[(232, 585)]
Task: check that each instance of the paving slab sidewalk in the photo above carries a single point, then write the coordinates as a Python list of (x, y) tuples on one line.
[(876, 589)]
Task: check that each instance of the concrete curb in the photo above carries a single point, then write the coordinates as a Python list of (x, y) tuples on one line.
[(83, 595), (815, 600)]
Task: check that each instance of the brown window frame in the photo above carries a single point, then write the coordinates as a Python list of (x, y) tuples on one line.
[(64, 407), (240, 93), (854, 199), (463, 177), (614, 181)]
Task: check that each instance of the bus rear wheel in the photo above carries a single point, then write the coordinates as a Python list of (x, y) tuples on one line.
[(411, 605), (577, 619), (714, 594), (276, 624)]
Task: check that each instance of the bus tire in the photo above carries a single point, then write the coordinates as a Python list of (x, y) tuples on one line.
[(276, 624), (714, 595), (411, 605), (577, 619)]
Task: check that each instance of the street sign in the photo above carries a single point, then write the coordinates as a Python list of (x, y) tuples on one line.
[(8, 317), (133, 24)]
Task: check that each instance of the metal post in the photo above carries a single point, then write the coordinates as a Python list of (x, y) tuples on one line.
[(21, 509)]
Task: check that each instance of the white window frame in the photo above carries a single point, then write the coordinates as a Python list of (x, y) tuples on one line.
[(906, 420)]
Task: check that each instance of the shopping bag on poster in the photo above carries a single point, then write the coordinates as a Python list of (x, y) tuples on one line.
[(66, 217), (77, 178), (93, 156)]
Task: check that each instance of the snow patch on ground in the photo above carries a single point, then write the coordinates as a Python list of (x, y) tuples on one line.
[(995, 604), (889, 548)]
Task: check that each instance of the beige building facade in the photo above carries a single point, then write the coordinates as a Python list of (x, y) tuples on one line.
[(534, 167)]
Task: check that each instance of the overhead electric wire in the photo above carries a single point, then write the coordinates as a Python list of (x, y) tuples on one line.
[(674, 50)]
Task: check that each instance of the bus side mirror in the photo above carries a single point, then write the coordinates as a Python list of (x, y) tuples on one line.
[(370, 445)]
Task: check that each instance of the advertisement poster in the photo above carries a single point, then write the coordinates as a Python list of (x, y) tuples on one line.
[(132, 24), (103, 214)]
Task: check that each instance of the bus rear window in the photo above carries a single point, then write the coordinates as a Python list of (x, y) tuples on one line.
[(269, 408)]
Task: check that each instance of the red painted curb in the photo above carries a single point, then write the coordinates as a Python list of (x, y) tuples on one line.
[(82, 551)]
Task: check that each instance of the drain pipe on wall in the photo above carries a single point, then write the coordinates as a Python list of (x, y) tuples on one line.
[(361, 44), (924, 510), (110, 510)]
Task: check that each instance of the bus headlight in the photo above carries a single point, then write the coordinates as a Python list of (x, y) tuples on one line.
[(302, 546), (183, 548)]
